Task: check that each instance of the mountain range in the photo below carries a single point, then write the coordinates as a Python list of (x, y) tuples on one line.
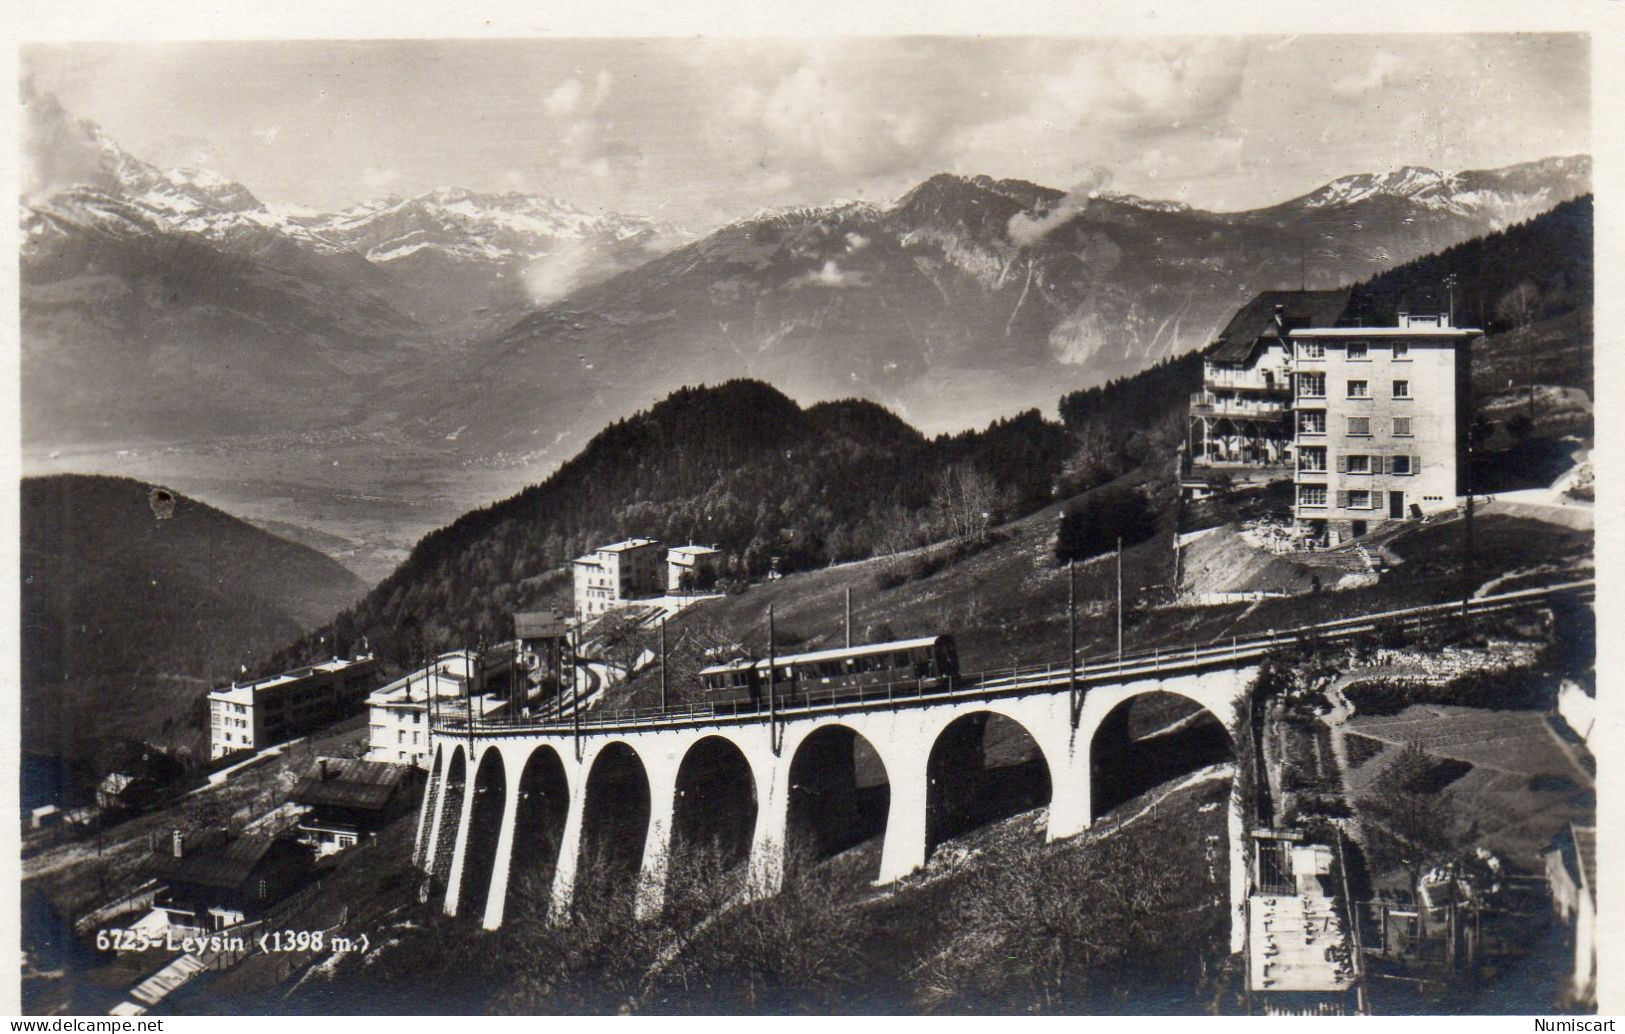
[(459, 332)]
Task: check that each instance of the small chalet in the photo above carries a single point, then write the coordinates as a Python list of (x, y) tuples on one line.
[(214, 881), (348, 799), (1571, 872), (119, 792)]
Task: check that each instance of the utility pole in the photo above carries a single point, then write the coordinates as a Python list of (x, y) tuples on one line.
[(1119, 601), (772, 672), (662, 665), (1072, 636), (849, 617), (1467, 588)]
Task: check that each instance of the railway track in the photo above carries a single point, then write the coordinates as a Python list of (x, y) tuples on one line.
[(1011, 682)]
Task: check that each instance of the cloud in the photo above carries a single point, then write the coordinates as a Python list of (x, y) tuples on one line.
[(374, 178), (268, 135), (830, 275), (1373, 76), (565, 98), (554, 275), (56, 150), (1028, 228), (572, 97)]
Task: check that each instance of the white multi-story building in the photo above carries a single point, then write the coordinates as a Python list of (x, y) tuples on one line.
[(1381, 419), (253, 715), (398, 714), (617, 573), (1371, 421), (692, 567)]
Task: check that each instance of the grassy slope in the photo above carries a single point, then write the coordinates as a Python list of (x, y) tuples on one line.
[(900, 942), (1006, 605)]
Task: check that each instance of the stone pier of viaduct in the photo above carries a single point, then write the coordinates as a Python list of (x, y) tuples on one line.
[(555, 802)]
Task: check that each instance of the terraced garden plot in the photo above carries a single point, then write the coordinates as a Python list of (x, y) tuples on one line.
[(1518, 742), (1524, 784)]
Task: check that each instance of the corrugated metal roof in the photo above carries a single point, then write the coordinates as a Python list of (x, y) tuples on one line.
[(1256, 319)]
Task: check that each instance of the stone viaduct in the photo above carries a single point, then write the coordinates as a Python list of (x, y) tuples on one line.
[(498, 796), (627, 793)]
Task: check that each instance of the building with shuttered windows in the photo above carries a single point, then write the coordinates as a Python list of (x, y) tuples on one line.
[(1380, 417)]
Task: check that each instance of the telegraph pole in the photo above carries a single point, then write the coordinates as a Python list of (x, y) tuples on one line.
[(1119, 601), (1072, 635), (662, 665), (772, 673), (849, 617)]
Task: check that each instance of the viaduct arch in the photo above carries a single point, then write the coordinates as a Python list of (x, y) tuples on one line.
[(624, 804)]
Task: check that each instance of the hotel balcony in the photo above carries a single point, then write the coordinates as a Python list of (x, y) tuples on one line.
[(1206, 404), (1237, 379)]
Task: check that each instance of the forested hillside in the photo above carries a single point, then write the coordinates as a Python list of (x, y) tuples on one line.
[(739, 466), (134, 599), (1534, 271)]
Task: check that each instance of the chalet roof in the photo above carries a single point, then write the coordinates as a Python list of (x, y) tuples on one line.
[(1256, 320), (115, 783), (1578, 846), (214, 862), (1585, 850), (348, 783), (540, 624)]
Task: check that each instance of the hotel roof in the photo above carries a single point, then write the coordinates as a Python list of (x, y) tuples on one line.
[(1256, 320), (693, 550), (243, 692), (623, 546), (1365, 332)]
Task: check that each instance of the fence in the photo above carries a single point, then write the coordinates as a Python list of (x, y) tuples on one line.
[(1016, 681)]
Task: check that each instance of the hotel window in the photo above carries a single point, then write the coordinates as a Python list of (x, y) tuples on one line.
[(1402, 426), (1311, 350), (1402, 389), (1312, 421), (1399, 464), (1312, 385), (1357, 350), (1359, 499), (1402, 352), (1359, 389), (1311, 495), (1354, 464), (1312, 459), (1359, 425)]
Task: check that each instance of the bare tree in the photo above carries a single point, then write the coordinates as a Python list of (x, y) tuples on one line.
[(965, 502)]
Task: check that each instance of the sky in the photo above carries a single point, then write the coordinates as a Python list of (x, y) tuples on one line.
[(701, 131)]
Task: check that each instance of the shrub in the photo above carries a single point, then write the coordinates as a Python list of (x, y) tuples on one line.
[(1095, 525)]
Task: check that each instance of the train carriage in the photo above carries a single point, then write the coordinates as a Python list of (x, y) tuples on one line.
[(922, 663)]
